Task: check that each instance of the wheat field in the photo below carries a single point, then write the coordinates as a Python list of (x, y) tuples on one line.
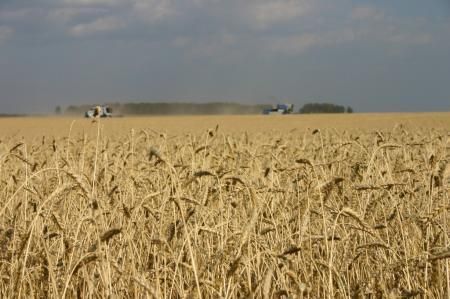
[(345, 206)]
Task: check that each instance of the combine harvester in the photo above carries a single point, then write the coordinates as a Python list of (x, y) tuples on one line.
[(99, 111), (280, 109)]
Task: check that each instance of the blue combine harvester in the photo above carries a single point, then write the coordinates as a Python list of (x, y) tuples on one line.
[(280, 109)]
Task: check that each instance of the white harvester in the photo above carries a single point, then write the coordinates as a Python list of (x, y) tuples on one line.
[(99, 111)]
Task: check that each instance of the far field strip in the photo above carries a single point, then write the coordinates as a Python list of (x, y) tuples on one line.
[(31, 127)]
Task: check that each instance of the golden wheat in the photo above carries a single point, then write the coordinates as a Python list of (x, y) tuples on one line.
[(234, 207)]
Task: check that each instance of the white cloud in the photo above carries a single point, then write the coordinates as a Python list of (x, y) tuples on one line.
[(273, 26), (15, 14), (152, 11), (5, 33), (263, 14), (366, 13), (66, 14), (411, 38), (394, 32), (219, 44), (92, 2), (297, 44), (372, 24), (214, 45), (105, 24), (182, 41)]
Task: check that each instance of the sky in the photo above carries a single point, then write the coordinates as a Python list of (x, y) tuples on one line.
[(375, 56)]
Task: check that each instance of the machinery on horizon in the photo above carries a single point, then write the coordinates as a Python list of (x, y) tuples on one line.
[(280, 109), (99, 111)]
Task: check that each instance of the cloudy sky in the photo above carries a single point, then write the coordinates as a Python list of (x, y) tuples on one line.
[(381, 55)]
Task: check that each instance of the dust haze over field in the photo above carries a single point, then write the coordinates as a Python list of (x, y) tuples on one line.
[(225, 206)]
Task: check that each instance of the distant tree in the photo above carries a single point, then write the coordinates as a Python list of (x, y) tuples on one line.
[(349, 109), (321, 108), (58, 110)]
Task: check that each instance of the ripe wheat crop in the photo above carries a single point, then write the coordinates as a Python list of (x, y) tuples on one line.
[(295, 213)]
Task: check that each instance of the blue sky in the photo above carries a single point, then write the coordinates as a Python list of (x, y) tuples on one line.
[(372, 55)]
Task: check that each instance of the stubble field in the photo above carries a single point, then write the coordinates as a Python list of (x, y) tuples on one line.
[(226, 207)]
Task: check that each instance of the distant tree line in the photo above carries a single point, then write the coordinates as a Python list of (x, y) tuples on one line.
[(11, 115), (174, 108), (199, 109), (324, 108)]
